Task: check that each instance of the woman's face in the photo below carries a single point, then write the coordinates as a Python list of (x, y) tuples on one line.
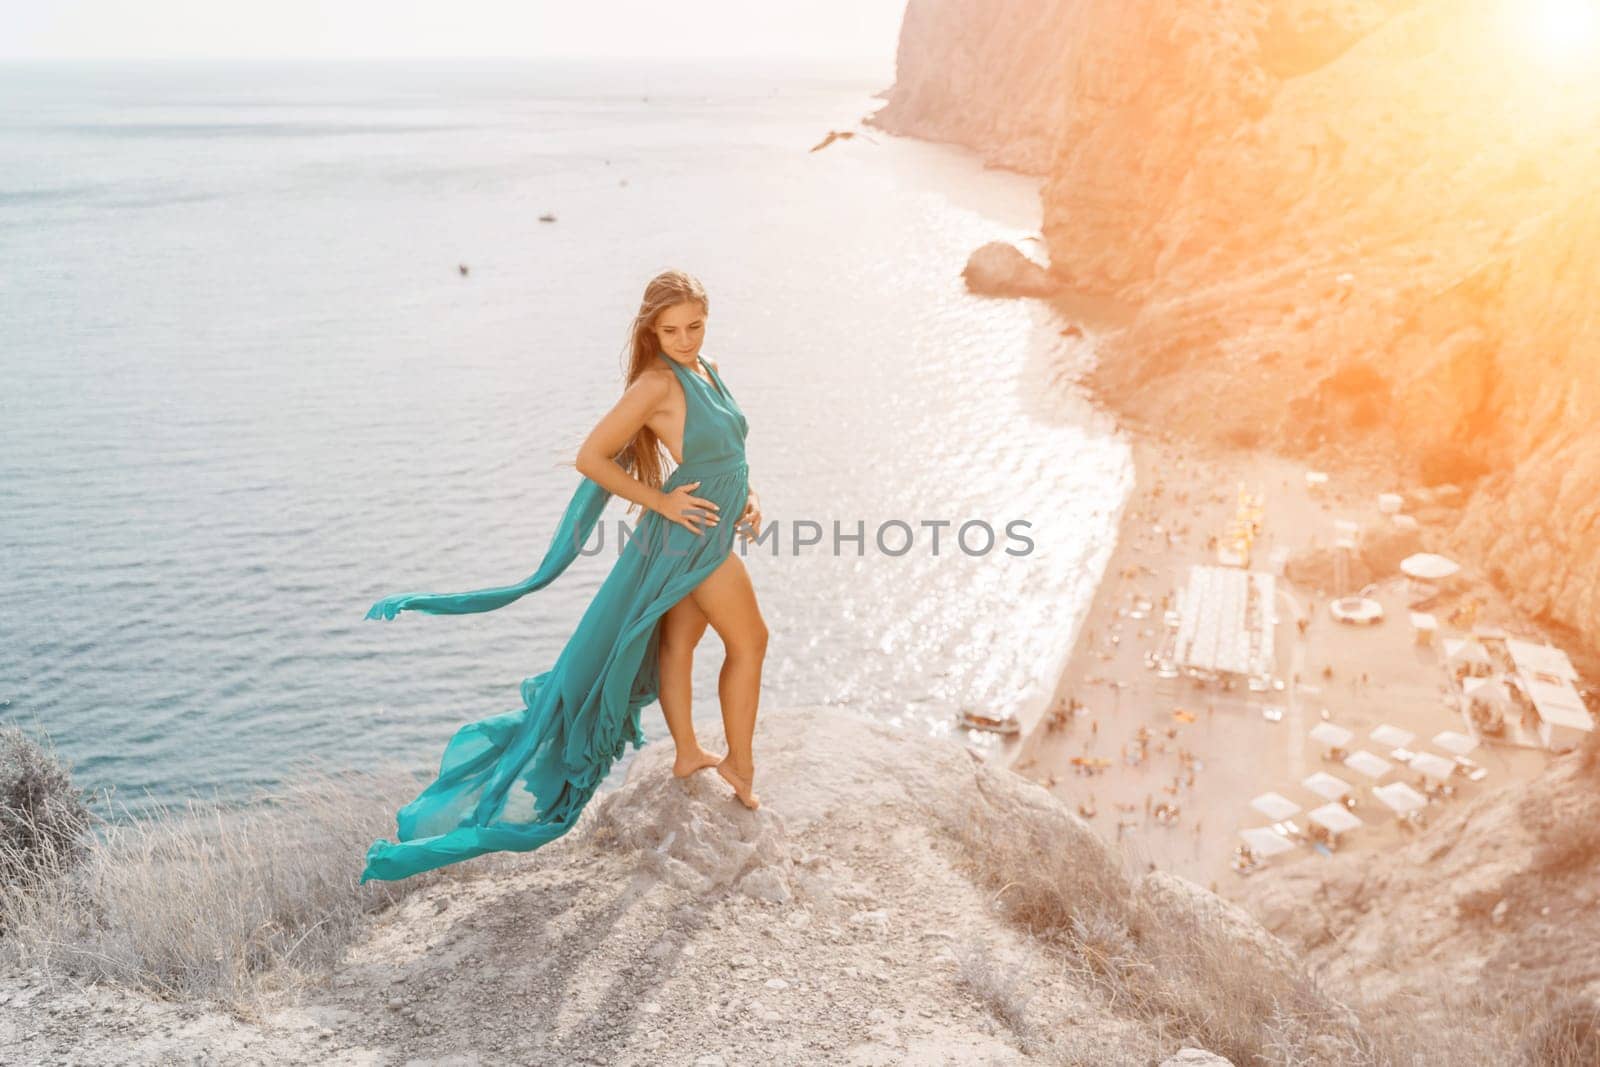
[(679, 329)]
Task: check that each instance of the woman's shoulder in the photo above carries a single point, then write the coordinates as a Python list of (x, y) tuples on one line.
[(654, 382)]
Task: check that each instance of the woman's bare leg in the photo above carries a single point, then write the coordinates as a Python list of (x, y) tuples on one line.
[(728, 601), (681, 629)]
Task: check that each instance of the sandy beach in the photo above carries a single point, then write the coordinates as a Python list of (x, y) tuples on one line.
[(1207, 752)]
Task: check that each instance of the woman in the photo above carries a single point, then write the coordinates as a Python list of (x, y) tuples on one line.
[(520, 779)]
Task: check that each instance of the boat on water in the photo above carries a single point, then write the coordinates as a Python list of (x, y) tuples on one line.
[(1004, 725)]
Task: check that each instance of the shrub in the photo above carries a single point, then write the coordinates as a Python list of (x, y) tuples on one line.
[(43, 816), (218, 904)]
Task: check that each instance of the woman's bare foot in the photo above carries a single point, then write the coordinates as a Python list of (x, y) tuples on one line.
[(741, 784), (699, 760)]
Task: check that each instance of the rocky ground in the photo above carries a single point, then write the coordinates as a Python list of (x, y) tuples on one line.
[(838, 924)]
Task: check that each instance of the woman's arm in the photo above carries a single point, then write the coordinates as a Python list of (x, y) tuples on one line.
[(616, 428)]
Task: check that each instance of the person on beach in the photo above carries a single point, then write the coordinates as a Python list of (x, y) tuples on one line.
[(520, 779)]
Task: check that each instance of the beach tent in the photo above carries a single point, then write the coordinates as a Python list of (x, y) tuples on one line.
[(1457, 743), (1436, 767), (1392, 736), (1275, 805), (1330, 734), (1563, 720), (1265, 842), (1400, 798), (1363, 762), (1335, 818), (1327, 786)]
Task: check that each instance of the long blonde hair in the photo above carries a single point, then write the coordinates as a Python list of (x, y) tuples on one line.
[(641, 457)]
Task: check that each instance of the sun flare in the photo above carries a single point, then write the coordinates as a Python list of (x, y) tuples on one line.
[(1563, 33)]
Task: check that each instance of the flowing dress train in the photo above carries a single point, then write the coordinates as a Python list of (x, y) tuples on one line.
[(517, 780)]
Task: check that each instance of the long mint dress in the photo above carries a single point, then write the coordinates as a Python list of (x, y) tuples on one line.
[(520, 779)]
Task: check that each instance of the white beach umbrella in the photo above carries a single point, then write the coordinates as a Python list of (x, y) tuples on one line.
[(1428, 566), (1334, 817), (1330, 734), (1393, 736), (1399, 797), (1265, 842), (1363, 762), (1452, 741), (1327, 786), (1275, 805), (1436, 767)]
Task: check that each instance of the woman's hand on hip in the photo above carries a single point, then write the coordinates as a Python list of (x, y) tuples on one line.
[(750, 522), (687, 510)]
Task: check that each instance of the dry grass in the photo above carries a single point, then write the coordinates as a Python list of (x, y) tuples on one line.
[(1009, 994), (1567, 1035), (1197, 981), (1571, 849), (1003, 990), (223, 905)]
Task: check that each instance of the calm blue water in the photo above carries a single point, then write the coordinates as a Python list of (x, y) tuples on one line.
[(246, 392)]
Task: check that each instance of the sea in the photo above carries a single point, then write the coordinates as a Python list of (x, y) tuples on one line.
[(246, 389)]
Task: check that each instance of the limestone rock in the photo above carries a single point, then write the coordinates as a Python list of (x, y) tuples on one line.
[(1195, 1057), (1001, 269)]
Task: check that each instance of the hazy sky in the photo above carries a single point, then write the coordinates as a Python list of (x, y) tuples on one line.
[(375, 28)]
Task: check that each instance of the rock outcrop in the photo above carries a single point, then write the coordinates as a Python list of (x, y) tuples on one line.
[(1001, 269), (985, 75), (842, 922)]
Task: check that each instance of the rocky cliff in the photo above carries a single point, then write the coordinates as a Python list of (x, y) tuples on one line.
[(1362, 231), (985, 75)]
